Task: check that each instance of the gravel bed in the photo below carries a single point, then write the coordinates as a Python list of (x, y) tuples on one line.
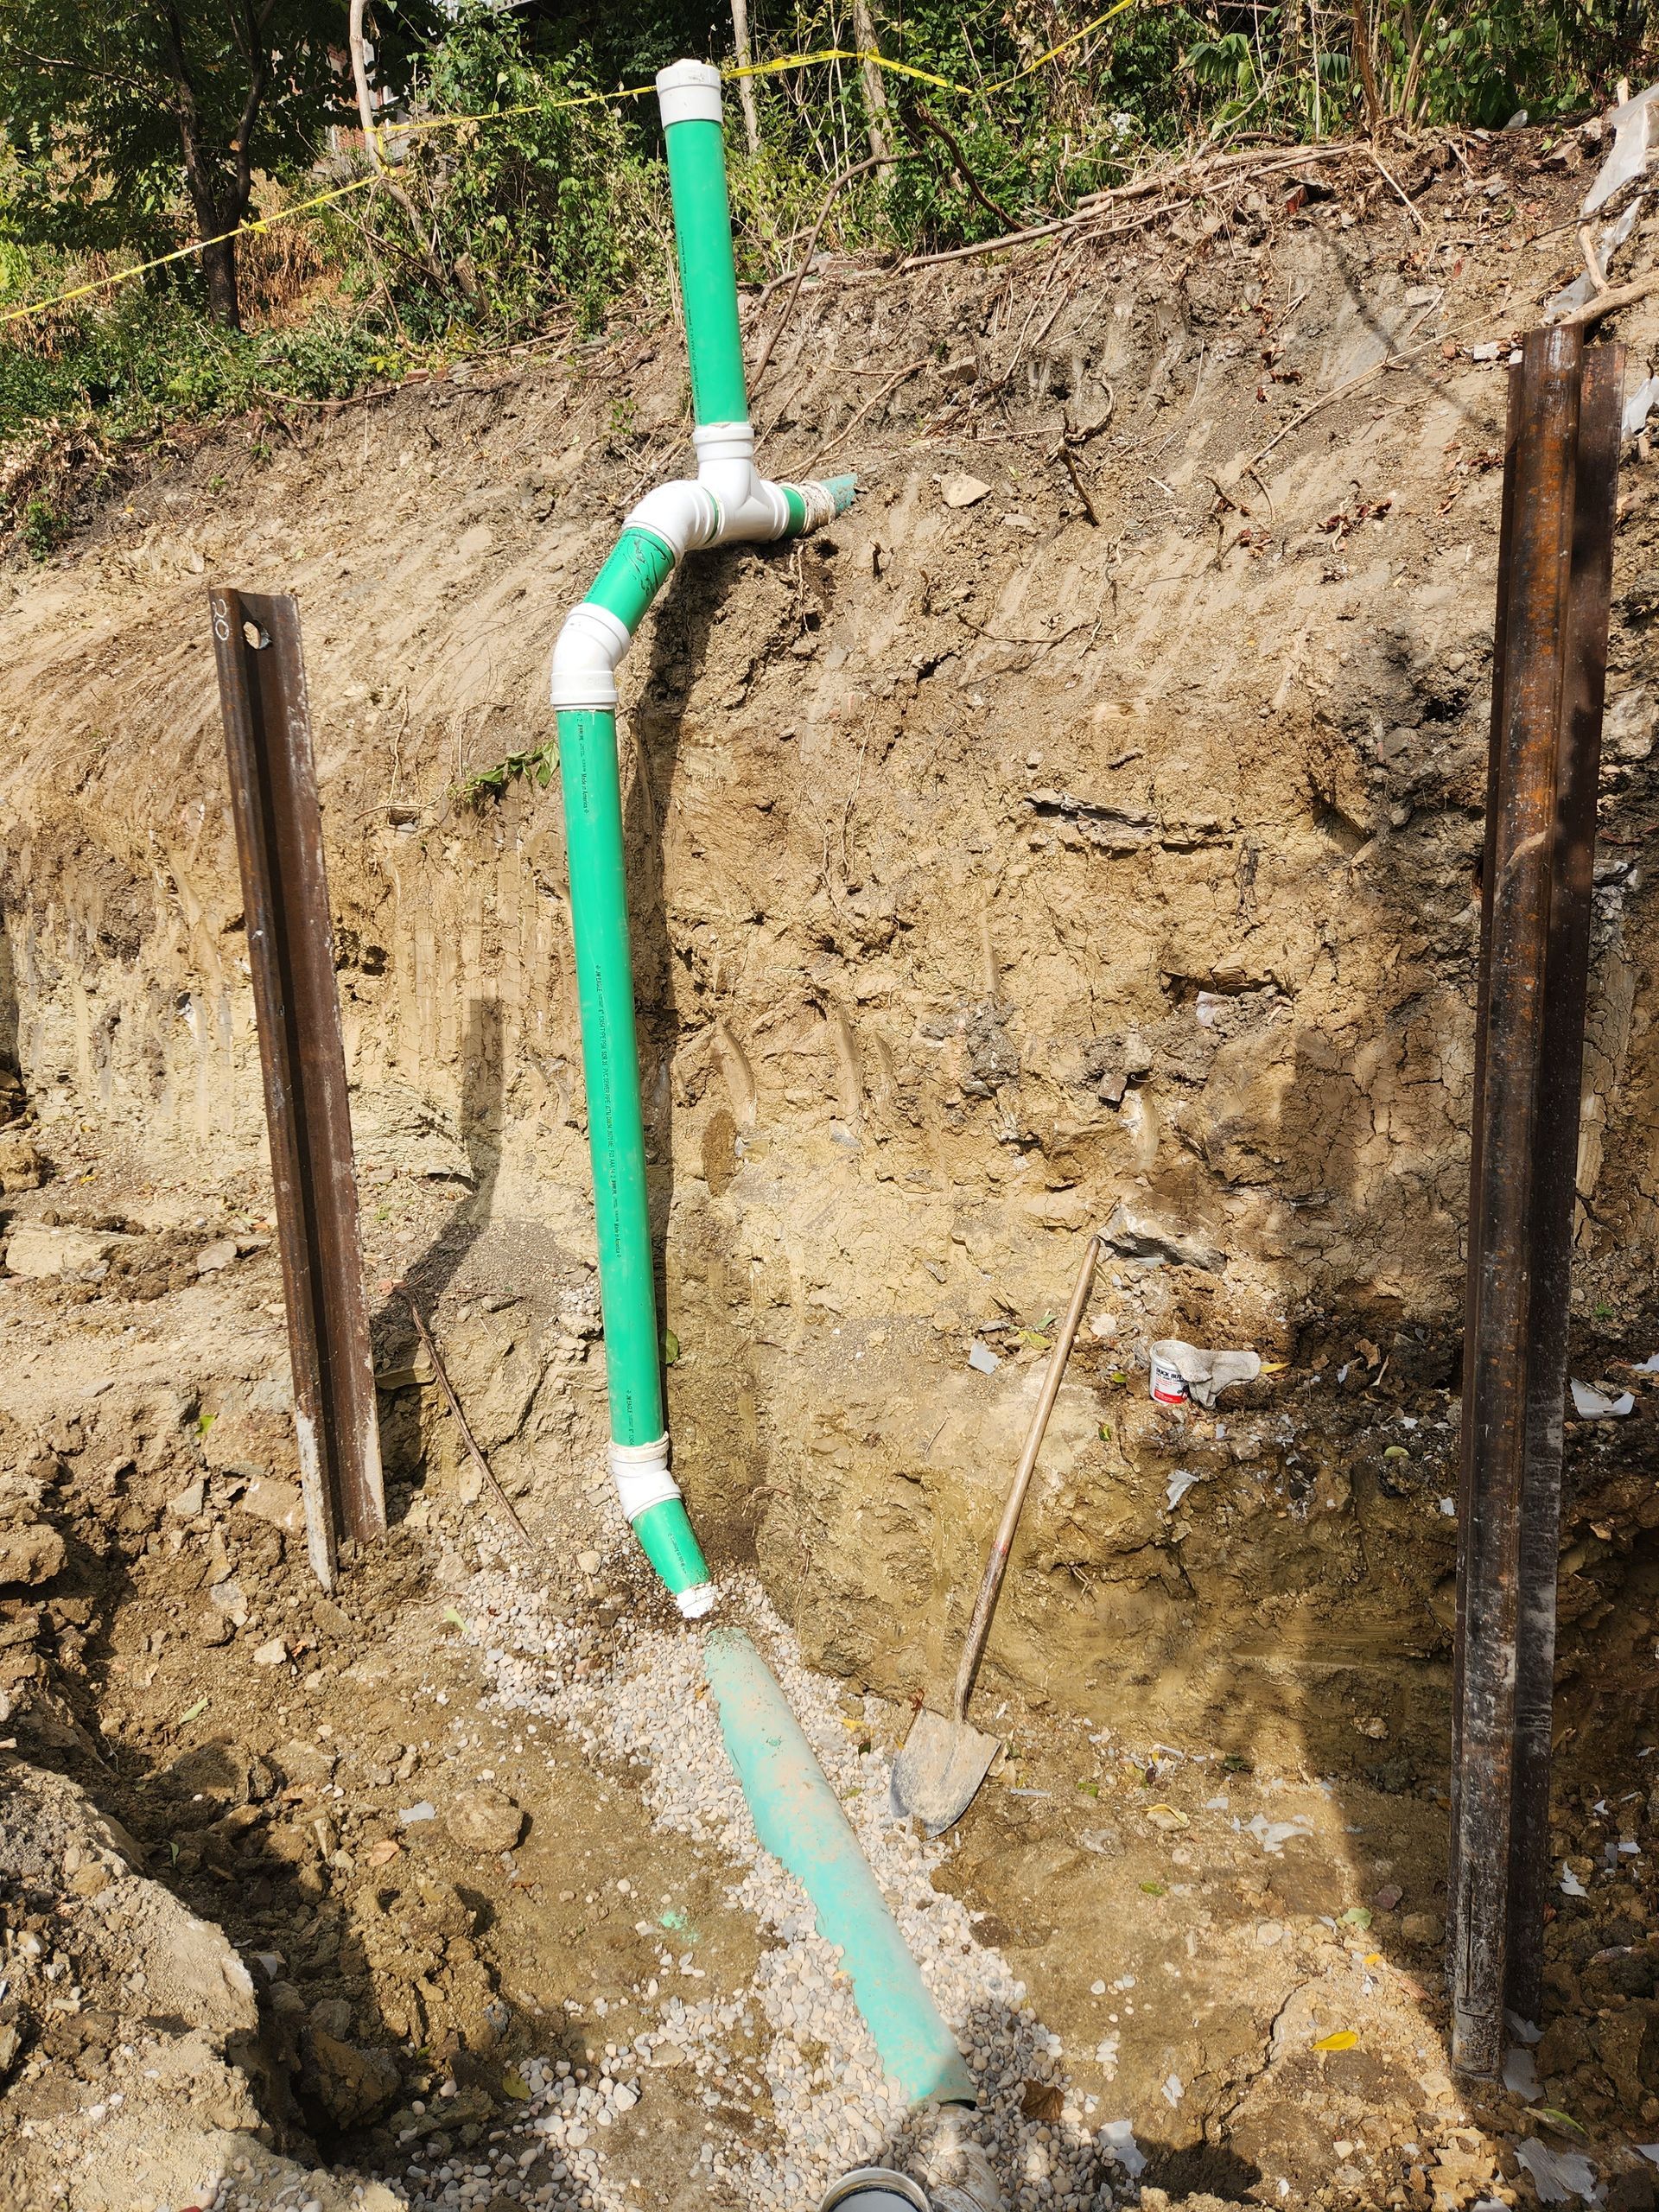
[(830, 2105)]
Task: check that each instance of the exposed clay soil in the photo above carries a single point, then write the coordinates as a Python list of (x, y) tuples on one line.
[(998, 872)]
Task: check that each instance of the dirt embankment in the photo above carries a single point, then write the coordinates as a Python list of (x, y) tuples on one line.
[(1084, 828)]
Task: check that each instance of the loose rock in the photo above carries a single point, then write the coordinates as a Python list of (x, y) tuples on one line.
[(485, 1819)]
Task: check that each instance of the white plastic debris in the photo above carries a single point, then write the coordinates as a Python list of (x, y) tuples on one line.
[(1116, 2142), (410, 1815), (981, 1358), (1182, 1370), (1521, 2075), (1591, 1404), (1273, 1835), (1583, 288), (1571, 1885), (1172, 2091), (1650, 2152), (1180, 1483), (1633, 132), (1557, 2175), (1524, 2031), (1637, 408), (1449, 1506)]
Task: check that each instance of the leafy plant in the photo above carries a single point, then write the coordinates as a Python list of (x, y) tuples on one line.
[(43, 527)]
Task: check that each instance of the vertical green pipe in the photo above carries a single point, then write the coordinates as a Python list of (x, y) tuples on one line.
[(599, 915), (702, 239)]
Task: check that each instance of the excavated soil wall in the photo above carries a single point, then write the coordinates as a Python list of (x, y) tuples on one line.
[(1085, 829)]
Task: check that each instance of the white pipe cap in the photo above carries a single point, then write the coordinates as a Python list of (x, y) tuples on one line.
[(688, 91)]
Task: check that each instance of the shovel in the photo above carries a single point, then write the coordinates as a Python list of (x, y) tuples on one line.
[(936, 1776)]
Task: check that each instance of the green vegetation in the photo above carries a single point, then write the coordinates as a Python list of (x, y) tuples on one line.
[(547, 209)]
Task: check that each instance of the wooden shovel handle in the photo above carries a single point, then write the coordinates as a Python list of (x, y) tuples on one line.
[(990, 1585)]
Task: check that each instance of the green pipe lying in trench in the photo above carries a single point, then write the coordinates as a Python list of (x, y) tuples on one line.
[(797, 1814), (799, 1819)]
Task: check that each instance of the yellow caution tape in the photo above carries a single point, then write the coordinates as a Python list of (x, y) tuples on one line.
[(182, 253), (383, 131)]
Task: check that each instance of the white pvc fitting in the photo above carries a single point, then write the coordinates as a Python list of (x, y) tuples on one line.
[(640, 1473), (688, 91), (584, 659), (752, 508), (683, 514), (694, 1604)]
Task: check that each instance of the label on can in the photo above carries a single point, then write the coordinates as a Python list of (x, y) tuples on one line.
[(1168, 1384)]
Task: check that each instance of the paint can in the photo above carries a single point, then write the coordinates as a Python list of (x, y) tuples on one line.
[(1168, 1384), (874, 2189)]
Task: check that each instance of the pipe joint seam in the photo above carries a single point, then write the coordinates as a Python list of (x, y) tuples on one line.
[(684, 514), (589, 646), (641, 1476), (818, 500)]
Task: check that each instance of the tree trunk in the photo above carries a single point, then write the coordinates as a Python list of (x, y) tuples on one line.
[(879, 117), (746, 85), (1367, 73), (377, 159), (219, 267)]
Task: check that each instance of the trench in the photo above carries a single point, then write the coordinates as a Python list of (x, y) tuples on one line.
[(961, 925)]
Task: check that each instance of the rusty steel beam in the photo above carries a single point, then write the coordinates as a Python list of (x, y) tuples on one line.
[(1549, 669), (1556, 1158), (291, 954)]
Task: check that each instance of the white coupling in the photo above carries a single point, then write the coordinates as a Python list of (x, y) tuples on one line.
[(687, 92), (683, 514), (589, 646), (640, 1473)]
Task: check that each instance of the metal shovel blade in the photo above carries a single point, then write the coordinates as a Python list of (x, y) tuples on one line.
[(936, 1776)]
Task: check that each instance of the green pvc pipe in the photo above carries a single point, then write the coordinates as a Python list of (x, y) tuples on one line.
[(616, 1139), (640, 565), (702, 242), (637, 571), (799, 1818)]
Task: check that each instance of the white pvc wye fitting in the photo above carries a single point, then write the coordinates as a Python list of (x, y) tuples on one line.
[(683, 514), (688, 91), (751, 508), (640, 1473), (589, 646)]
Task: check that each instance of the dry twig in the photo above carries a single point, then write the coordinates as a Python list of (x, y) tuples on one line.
[(856, 168), (1618, 296), (402, 1290)]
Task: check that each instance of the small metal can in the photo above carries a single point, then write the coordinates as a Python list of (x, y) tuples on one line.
[(1168, 1384)]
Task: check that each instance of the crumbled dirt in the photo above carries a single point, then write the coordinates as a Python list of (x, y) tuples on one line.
[(996, 873)]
